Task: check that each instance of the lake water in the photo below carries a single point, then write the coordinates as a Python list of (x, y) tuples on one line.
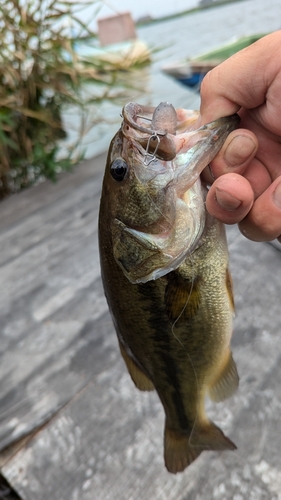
[(180, 38)]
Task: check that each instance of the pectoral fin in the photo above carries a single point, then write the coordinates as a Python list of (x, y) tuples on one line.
[(182, 297), (226, 383)]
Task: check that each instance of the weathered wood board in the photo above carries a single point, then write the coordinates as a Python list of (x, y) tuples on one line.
[(61, 373)]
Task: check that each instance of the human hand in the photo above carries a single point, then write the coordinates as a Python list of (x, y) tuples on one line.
[(247, 171)]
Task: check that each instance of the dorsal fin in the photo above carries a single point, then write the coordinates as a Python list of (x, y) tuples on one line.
[(229, 286)]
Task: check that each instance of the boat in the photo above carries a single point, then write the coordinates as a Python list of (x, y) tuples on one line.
[(118, 47), (192, 71)]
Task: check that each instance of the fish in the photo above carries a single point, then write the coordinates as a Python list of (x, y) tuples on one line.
[(165, 271)]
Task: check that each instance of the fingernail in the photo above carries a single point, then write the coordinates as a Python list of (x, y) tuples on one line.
[(227, 201), (277, 196), (239, 150)]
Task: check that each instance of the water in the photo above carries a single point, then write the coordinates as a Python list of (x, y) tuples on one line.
[(181, 38)]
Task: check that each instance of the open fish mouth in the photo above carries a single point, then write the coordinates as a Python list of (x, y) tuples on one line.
[(167, 154), (164, 132)]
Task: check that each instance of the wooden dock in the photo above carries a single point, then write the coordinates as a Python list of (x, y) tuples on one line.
[(73, 426)]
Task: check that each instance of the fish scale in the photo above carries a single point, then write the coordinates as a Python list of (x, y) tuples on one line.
[(166, 278)]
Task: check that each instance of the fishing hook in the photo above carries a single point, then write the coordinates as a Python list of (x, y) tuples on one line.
[(148, 155)]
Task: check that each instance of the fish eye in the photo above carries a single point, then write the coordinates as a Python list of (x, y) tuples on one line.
[(118, 169)]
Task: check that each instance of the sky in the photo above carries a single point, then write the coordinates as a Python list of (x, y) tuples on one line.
[(139, 8)]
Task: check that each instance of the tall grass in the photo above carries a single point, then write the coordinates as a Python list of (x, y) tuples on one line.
[(40, 75)]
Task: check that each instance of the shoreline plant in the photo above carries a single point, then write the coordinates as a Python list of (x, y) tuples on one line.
[(41, 74)]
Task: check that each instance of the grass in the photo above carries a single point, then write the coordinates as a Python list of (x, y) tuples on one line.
[(41, 75)]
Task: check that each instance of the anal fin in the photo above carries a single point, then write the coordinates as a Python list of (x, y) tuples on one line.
[(140, 380), (227, 381)]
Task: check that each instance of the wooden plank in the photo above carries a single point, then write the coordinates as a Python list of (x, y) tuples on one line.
[(57, 361), (22, 204), (51, 299), (107, 441), (32, 229)]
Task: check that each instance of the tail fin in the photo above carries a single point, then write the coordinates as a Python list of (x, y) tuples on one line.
[(181, 449), (210, 437), (178, 454)]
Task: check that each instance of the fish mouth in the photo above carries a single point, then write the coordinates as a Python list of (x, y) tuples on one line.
[(164, 132), (153, 129), (168, 146), (175, 165)]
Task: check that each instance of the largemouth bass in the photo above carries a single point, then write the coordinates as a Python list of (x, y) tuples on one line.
[(164, 264)]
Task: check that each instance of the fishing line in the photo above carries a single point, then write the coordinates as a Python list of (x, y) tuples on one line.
[(197, 387), (179, 341), (186, 352), (165, 217), (187, 300)]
